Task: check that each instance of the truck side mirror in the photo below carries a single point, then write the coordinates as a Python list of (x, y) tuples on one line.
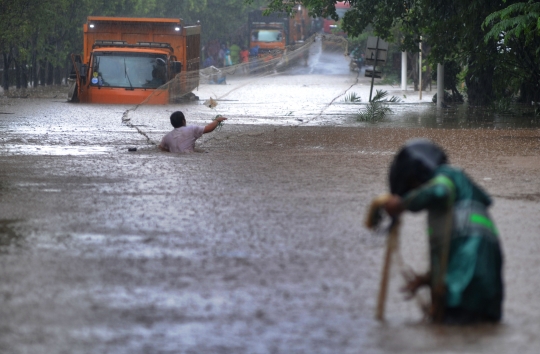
[(176, 67), (83, 69)]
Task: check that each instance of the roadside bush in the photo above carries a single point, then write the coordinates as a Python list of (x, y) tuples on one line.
[(378, 108)]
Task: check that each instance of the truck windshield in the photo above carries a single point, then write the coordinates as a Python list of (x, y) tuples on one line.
[(266, 36), (129, 70)]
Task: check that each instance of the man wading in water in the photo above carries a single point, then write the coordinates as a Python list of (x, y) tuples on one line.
[(182, 138), (465, 254)]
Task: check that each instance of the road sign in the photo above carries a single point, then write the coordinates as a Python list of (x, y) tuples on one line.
[(372, 44), (376, 48), (370, 72), (381, 56), (376, 53)]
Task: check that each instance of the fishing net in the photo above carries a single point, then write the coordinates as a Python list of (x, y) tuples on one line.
[(205, 93)]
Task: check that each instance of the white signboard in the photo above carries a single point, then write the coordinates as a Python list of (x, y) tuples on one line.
[(372, 43), (376, 44), (381, 56)]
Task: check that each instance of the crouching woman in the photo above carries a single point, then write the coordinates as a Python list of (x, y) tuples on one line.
[(466, 260)]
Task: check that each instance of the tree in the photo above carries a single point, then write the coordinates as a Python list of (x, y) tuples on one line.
[(453, 29), (219, 18), (13, 15), (516, 29), (37, 37)]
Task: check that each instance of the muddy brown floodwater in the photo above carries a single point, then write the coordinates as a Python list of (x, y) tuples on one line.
[(255, 245)]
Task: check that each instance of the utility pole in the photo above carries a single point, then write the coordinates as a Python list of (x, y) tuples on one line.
[(420, 68), (374, 68)]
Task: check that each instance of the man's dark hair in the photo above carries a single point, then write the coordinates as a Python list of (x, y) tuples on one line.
[(178, 120)]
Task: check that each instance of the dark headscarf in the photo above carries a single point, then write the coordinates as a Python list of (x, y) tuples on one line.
[(415, 162)]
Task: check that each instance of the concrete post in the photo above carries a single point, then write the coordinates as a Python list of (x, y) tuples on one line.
[(440, 85), (404, 71)]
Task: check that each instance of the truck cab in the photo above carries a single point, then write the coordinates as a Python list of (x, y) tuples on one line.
[(332, 27), (135, 60), (275, 31), (269, 37)]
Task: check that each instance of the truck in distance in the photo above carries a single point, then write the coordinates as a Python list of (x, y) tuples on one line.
[(273, 33)]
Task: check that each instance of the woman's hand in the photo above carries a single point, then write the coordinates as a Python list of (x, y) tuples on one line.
[(394, 206), (413, 283)]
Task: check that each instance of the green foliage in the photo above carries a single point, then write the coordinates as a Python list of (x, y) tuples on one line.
[(359, 41), (374, 112), (381, 96), (352, 97), (378, 108), (49, 31), (461, 76), (389, 79), (516, 20), (490, 38), (516, 30), (220, 19), (503, 105)]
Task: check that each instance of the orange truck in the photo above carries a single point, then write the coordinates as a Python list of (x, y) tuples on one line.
[(332, 27), (273, 33), (132, 60)]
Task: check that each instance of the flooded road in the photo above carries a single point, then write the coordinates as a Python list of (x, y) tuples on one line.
[(255, 244)]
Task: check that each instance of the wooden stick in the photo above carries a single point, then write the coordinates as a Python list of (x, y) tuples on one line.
[(438, 292), (391, 244)]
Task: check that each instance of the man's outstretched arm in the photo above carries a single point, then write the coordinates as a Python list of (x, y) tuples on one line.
[(210, 127)]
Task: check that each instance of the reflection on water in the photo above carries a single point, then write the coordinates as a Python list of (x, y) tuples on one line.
[(12, 149), (93, 245), (459, 116), (8, 235)]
